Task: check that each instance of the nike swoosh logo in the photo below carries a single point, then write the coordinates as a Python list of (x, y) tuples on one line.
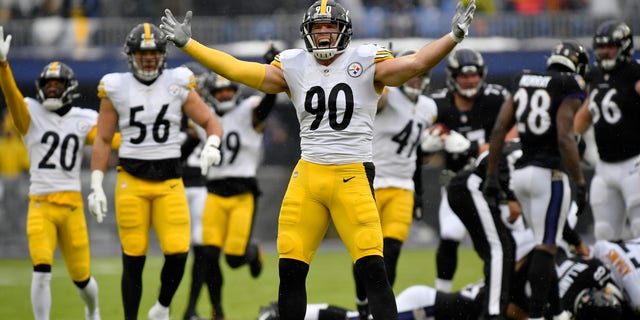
[(173, 186), (347, 179)]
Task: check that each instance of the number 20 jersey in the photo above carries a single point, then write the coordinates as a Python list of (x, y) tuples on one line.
[(335, 104), (55, 145), (148, 115)]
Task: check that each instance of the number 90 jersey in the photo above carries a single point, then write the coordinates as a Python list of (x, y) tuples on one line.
[(536, 102), (55, 145), (335, 104), (148, 115)]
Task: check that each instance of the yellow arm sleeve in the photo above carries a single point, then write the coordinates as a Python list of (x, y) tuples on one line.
[(249, 73), (115, 142), (14, 99)]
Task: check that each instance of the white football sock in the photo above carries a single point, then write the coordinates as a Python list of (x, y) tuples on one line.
[(41, 295), (89, 295), (444, 285)]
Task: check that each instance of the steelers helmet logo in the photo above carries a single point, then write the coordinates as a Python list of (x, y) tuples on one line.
[(354, 70)]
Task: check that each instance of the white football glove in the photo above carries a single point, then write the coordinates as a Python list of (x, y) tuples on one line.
[(97, 198), (456, 143), (176, 32), (210, 154), (461, 20), (4, 45), (430, 140)]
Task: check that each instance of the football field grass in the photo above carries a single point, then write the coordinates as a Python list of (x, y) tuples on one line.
[(330, 280)]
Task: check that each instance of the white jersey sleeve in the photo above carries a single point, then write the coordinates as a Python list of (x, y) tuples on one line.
[(397, 131), (335, 104), (55, 144), (623, 260), (148, 115), (241, 145)]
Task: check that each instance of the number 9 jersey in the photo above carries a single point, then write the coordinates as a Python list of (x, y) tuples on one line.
[(149, 115)]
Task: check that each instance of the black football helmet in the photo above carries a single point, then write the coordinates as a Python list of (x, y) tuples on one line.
[(604, 303), (465, 61), (572, 55), (614, 33), (412, 92), (219, 82), (57, 70), (146, 37), (204, 80), (326, 11)]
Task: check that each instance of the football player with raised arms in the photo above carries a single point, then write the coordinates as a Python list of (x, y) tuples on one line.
[(55, 133), (335, 89), (147, 104), (542, 108), (403, 114), (612, 109), (232, 186)]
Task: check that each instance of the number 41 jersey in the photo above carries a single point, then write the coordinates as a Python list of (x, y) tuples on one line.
[(536, 102), (335, 104)]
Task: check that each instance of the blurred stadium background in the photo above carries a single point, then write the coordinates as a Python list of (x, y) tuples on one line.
[(88, 35)]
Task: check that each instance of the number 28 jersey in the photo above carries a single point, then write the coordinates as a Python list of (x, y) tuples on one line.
[(536, 101), (55, 145), (335, 104), (148, 115)]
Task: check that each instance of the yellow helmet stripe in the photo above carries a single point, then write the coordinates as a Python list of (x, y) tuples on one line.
[(147, 32), (54, 66), (323, 7)]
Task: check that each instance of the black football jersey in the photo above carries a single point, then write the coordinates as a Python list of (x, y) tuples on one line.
[(475, 124), (536, 100), (615, 109), (575, 275)]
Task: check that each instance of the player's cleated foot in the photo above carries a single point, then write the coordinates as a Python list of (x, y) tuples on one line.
[(255, 264), (158, 312), (269, 312)]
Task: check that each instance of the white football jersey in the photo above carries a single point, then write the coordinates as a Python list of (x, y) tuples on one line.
[(149, 116), (335, 104), (241, 145), (55, 146), (396, 134), (623, 260)]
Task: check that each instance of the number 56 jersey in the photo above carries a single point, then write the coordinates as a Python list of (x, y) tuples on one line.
[(148, 115)]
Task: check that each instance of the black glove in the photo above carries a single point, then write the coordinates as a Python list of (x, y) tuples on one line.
[(582, 198), (270, 54), (417, 206), (492, 191)]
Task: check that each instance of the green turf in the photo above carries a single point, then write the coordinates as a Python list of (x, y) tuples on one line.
[(330, 280)]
